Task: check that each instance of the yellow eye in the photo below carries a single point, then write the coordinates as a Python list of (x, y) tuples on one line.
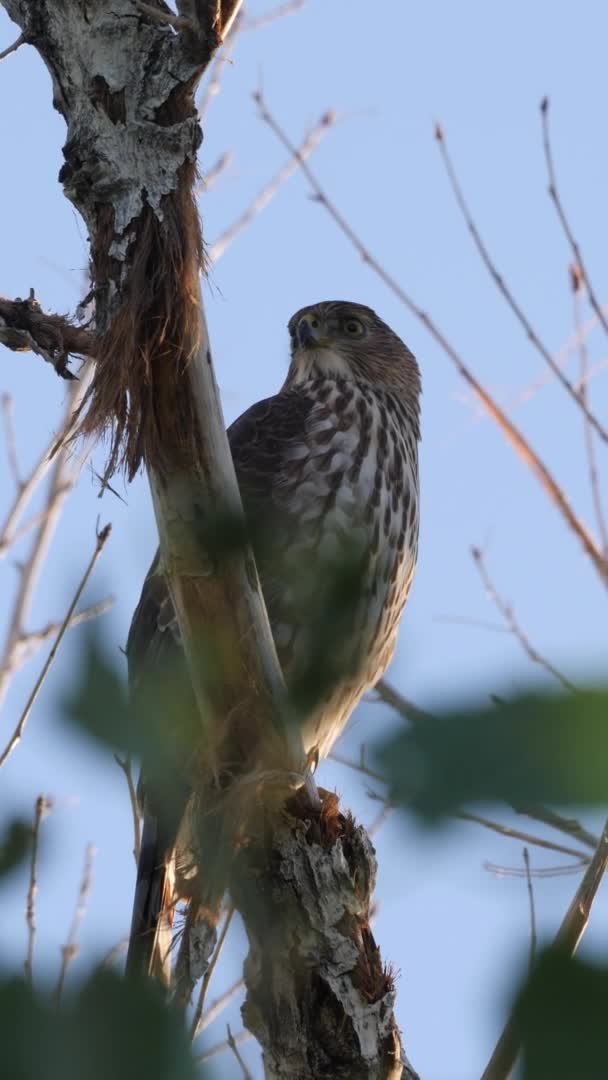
[(354, 328)]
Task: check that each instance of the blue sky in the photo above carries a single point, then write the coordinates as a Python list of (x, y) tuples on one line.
[(456, 933)]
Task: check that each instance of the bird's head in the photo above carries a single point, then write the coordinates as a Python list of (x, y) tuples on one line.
[(340, 339)]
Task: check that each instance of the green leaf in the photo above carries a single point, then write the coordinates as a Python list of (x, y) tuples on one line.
[(98, 701), (111, 1028), (14, 845), (536, 748), (561, 1018)]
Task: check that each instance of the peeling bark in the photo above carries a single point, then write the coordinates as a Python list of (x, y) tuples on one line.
[(319, 1000)]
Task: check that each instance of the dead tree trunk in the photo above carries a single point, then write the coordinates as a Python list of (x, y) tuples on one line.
[(124, 74)]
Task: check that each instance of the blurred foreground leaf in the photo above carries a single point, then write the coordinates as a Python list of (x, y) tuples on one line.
[(561, 1016), (110, 1029), (14, 845), (536, 748)]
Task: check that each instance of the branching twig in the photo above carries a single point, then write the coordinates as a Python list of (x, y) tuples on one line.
[(70, 950), (527, 838), (197, 1025), (310, 141), (567, 939), (42, 807), (21, 40), (509, 616), (15, 738), (219, 1004), (235, 1050), (511, 433), (594, 481), (125, 765), (505, 290), (220, 1047), (222, 58), (63, 478), (561, 213)]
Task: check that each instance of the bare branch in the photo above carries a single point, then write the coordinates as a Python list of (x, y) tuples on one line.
[(70, 950), (32, 641), (511, 433), (509, 616), (42, 807), (506, 292), (15, 738), (567, 939), (63, 478), (197, 1024), (279, 12), (233, 1046), (21, 40), (561, 213), (533, 938), (11, 442), (213, 174), (218, 66), (24, 327), (219, 1004), (310, 141), (594, 480), (221, 1047), (528, 838), (125, 765)]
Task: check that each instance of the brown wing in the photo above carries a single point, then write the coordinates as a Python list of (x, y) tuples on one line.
[(261, 441)]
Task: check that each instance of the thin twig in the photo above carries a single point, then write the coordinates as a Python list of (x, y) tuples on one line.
[(279, 12), (310, 141), (196, 1025), (232, 1044), (594, 480), (35, 638), (569, 826), (21, 40), (11, 442), (212, 174), (15, 738), (509, 616), (63, 479), (125, 765), (561, 213), (221, 1047), (505, 290), (42, 807), (222, 58), (511, 433), (527, 838), (406, 708), (500, 870), (567, 939), (218, 1005), (70, 950), (530, 889)]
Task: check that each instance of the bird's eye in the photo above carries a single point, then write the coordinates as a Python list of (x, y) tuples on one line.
[(353, 327), (313, 322)]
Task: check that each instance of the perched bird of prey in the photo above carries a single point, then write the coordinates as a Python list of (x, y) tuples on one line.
[(331, 462)]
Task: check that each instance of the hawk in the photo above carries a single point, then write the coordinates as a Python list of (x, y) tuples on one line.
[(331, 464)]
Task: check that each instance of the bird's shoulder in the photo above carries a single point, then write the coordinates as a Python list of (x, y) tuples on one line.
[(262, 438)]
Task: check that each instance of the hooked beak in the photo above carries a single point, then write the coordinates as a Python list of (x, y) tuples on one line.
[(308, 337)]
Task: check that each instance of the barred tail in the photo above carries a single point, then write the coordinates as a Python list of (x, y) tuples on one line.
[(150, 939)]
